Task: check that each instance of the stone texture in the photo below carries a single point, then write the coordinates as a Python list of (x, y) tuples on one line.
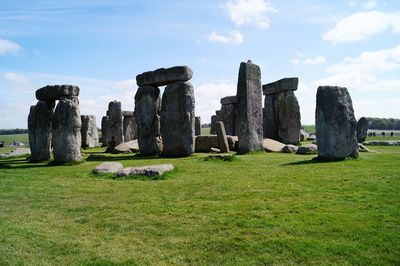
[(213, 127), (150, 170), (289, 149), (197, 126), (222, 140), (40, 130), (228, 100), (228, 114), (128, 113), (335, 124), (164, 76), (52, 93), (108, 168), (362, 129), (115, 134), (90, 137), (249, 108), (204, 143), (129, 128), (104, 129), (307, 149), (303, 135), (285, 84), (147, 115), (127, 147), (383, 143), (270, 145), (362, 148), (67, 130), (18, 152), (177, 119)]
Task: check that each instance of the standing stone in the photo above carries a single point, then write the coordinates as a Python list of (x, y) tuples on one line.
[(214, 119), (281, 117), (40, 130), (335, 124), (228, 116), (362, 129), (177, 119), (130, 129), (115, 135), (67, 130), (197, 125), (104, 129), (222, 139), (89, 133), (147, 109), (249, 108)]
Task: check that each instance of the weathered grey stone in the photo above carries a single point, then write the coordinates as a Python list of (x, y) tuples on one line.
[(228, 114), (270, 145), (307, 149), (197, 126), (285, 84), (204, 143), (362, 129), (335, 124), (164, 76), (303, 135), (177, 119), (147, 110), (128, 113), (222, 157), (90, 137), (213, 127), (249, 108), (289, 148), (362, 148), (383, 143), (228, 100), (67, 131), (52, 93), (104, 129), (127, 147), (115, 133), (150, 170), (130, 128), (18, 152), (108, 168), (222, 140), (40, 130)]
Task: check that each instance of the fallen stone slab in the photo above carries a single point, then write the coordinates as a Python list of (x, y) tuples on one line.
[(150, 170), (164, 76), (108, 168), (289, 149), (307, 149), (271, 145), (127, 147), (55, 92)]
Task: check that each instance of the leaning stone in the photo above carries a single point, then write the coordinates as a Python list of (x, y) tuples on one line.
[(104, 129), (164, 76), (115, 134), (249, 108), (289, 149), (362, 148), (52, 93), (362, 129), (286, 84), (108, 168), (150, 170), (271, 145), (67, 131), (177, 119), (222, 140), (197, 125), (127, 147), (335, 124), (129, 128), (89, 132), (307, 149)]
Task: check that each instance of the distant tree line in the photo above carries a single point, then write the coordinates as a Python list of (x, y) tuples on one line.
[(383, 123), (13, 131)]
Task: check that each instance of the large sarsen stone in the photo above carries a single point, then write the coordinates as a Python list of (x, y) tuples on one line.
[(164, 76), (362, 129), (90, 137), (52, 93)]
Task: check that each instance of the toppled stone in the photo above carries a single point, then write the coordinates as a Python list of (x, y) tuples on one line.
[(127, 147), (204, 143), (108, 168), (164, 76), (55, 92), (307, 149), (222, 157), (150, 170), (89, 132), (303, 135), (312, 138), (362, 148), (362, 129), (16, 153), (289, 149), (271, 145)]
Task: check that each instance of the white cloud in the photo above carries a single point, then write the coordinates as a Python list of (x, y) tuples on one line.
[(9, 47), (234, 37), (361, 26), (250, 12), (370, 4), (301, 60)]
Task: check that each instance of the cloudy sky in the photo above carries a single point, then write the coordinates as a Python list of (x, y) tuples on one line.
[(101, 45)]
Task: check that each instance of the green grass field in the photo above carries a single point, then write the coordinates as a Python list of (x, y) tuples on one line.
[(9, 139), (259, 209)]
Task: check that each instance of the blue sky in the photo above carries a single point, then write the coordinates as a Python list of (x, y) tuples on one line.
[(101, 45)]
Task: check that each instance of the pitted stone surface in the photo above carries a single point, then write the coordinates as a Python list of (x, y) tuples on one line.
[(150, 170), (55, 92), (164, 76), (89, 132), (285, 84), (108, 168), (130, 128)]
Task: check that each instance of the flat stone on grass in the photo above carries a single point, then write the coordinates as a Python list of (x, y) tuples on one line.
[(108, 168), (222, 157), (149, 170)]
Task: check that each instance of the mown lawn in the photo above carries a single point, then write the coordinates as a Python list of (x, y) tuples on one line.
[(9, 139), (259, 209)]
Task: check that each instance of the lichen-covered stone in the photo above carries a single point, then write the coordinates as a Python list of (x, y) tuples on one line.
[(115, 134), (90, 137)]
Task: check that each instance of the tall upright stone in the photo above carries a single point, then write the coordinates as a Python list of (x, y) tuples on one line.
[(214, 119), (222, 139), (115, 134), (40, 130), (147, 115), (130, 129), (90, 136), (197, 125), (177, 119), (228, 114), (281, 117), (104, 129), (249, 108), (335, 124), (67, 130), (362, 129)]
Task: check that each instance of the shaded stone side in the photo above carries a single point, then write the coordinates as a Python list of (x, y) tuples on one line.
[(90, 137), (55, 92), (197, 125), (115, 135), (289, 118), (228, 116), (271, 118), (177, 119), (335, 124), (67, 131), (249, 108), (362, 129), (130, 128), (222, 140), (104, 130), (213, 127), (147, 115)]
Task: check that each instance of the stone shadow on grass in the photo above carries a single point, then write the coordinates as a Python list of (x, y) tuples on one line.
[(315, 160), (22, 164)]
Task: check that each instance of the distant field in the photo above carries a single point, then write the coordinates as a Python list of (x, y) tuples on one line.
[(9, 139), (205, 130)]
